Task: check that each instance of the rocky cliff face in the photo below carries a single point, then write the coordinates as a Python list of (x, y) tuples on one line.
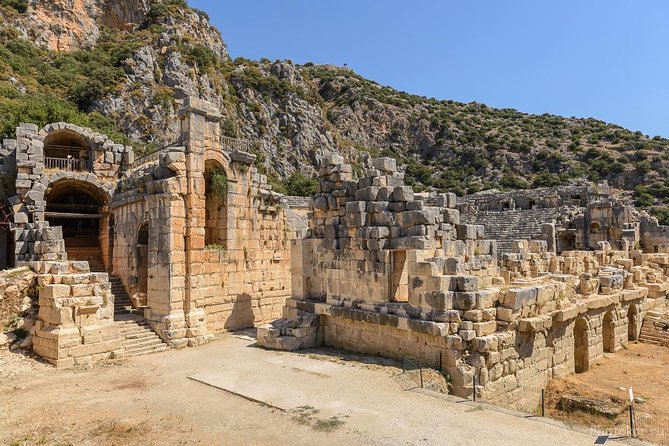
[(294, 114), (65, 25)]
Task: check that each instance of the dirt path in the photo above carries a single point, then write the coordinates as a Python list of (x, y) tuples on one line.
[(151, 401), (644, 367)]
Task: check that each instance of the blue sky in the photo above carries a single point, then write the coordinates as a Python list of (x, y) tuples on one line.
[(607, 59)]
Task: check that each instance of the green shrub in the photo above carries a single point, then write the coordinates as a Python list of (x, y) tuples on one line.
[(510, 181), (662, 214), (19, 5), (40, 109), (219, 183), (301, 185)]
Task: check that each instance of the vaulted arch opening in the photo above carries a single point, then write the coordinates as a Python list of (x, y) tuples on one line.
[(80, 208), (142, 258), (608, 332), (632, 324), (216, 204), (67, 150), (581, 345)]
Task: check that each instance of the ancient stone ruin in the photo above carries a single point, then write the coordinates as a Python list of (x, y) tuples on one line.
[(184, 242), (388, 272), (134, 255)]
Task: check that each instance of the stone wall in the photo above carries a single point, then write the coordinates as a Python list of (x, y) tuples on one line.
[(389, 272), (76, 315), (247, 281), (654, 237), (232, 271)]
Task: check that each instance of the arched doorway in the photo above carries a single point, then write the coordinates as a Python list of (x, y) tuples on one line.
[(6, 237), (632, 324), (216, 204), (608, 332), (67, 150), (581, 347), (80, 208), (142, 258)]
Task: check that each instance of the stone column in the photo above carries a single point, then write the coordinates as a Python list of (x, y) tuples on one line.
[(166, 275), (199, 127)]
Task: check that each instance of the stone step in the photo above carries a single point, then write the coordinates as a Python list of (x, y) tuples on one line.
[(138, 334), (140, 343), (147, 350)]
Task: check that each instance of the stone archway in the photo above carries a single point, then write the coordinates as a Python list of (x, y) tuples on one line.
[(632, 323), (142, 258), (216, 204), (608, 332), (67, 150), (581, 345), (80, 209)]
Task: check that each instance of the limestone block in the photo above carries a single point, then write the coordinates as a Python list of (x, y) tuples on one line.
[(56, 316), (82, 290), (507, 314), (486, 343), (613, 281), (372, 206), (464, 300), (357, 220), (320, 203), (55, 291), (367, 194), (467, 283), (455, 342), (538, 246), (486, 298), (402, 194), (485, 328), (473, 315), (439, 300), (467, 335), (376, 232), (417, 205), (410, 243), (451, 216), (466, 232), (517, 298), (532, 324), (385, 164)]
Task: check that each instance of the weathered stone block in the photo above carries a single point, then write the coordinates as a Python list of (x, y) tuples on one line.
[(55, 291), (517, 298), (451, 216), (467, 283), (385, 164), (402, 194), (466, 232), (367, 194), (464, 300)]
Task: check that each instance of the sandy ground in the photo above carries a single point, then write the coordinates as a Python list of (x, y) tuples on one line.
[(308, 398), (645, 368)]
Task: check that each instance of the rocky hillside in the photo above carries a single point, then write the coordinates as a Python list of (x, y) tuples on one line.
[(123, 67)]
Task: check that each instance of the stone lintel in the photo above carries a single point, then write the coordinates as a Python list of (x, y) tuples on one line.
[(199, 107)]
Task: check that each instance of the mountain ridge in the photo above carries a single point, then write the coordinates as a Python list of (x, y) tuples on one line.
[(147, 56)]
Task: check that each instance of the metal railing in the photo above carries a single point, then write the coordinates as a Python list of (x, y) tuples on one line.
[(67, 164), (227, 143), (236, 144)]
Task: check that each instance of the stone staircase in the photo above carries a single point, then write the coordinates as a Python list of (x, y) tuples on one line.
[(518, 224), (122, 302), (655, 329), (138, 338), (85, 247)]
